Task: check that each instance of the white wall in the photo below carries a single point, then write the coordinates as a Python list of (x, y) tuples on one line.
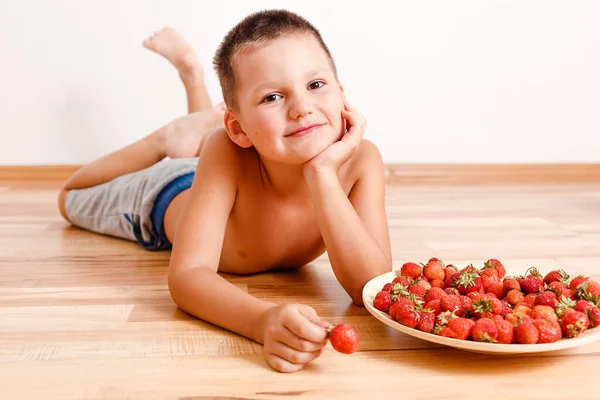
[(439, 81)]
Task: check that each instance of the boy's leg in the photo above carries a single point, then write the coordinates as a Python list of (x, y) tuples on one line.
[(169, 44), (181, 138)]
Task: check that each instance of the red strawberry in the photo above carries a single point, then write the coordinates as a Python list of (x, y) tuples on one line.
[(593, 314), (565, 305), (447, 332), (388, 287), (444, 317), (506, 331), (549, 330), (462, 327), (493, 263), (497, 289), (506, 308), (488, 277), (466, 305), (449, 281), (515, 297), (423, 281), (393, 309), (532, 285), (587, 290), (547, 298), (403, 280), (383, 301), (485, 330), (557, 287), (485, 308), (523, 308), (418, 300), (527, 333), (593, 288), (582, 305), (418, 290), (449, 271), (411, 269), (574, 324), (470, 268), (437, 283), (511, 283), (407, 315), (544, 312), (434, 269), (343, 337), (450, 303), (426, 322), (434, 294), (435, 306), (577, 281), (517, 318), (557, 275), (452, 291), (569, 294), (474, 296), (406, 300), (530, 299), (468, 282)]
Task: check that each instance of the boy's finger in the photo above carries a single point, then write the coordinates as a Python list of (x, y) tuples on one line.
[(282, 365), (293, 356), (304, 328), (356, 124), (297, 343)]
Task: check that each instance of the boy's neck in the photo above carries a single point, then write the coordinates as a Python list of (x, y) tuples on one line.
[(284, 180)]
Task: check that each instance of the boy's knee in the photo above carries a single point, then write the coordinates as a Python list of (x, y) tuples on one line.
[(62, 200)]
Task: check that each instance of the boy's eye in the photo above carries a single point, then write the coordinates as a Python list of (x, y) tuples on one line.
[(270, 98), (316, 84)]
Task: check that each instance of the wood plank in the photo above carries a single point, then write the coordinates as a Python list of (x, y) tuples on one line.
[(396, 173)]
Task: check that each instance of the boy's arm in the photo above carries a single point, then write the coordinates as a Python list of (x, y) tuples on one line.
[(292, 334), (193, 282), (354, 228)]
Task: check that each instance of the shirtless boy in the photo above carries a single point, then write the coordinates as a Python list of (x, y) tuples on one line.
[(271, 179)]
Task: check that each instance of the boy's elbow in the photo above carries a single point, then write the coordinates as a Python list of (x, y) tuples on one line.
[(358, 301), (356, 296)]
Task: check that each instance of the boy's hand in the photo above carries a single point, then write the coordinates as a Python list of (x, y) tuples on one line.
[(333, 157), (293, 337)]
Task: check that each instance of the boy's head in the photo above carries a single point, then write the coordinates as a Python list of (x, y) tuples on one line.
[(278, 77), (255, 31)]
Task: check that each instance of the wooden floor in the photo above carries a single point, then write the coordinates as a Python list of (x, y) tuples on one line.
[(85, 316)]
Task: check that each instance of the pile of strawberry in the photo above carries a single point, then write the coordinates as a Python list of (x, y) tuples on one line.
[(486, 306)]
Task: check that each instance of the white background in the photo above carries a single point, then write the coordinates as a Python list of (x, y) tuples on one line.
[(438, 81)]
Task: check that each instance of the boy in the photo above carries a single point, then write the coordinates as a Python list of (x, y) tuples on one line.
[(281, 175)]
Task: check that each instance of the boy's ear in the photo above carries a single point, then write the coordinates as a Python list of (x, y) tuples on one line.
[(235, 131)]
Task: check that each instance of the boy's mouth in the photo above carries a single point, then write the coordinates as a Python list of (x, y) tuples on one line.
[(305, 130)]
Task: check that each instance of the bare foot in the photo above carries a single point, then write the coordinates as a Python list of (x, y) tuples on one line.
[(169, 44), (185, 136)]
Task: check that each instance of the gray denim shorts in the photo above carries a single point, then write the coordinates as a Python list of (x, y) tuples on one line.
[(132, 206)]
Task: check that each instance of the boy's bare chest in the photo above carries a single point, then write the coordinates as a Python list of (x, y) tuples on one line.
[(266, 233)]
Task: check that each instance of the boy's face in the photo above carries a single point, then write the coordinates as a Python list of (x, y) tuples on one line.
[(284, 88)]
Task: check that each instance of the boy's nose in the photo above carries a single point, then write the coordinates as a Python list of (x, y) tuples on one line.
[(300, 108)]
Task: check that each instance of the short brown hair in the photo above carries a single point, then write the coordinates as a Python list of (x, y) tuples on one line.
[(255, 30)]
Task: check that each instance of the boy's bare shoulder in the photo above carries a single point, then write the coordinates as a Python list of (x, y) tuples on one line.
[(365, 160), (222, 151)]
